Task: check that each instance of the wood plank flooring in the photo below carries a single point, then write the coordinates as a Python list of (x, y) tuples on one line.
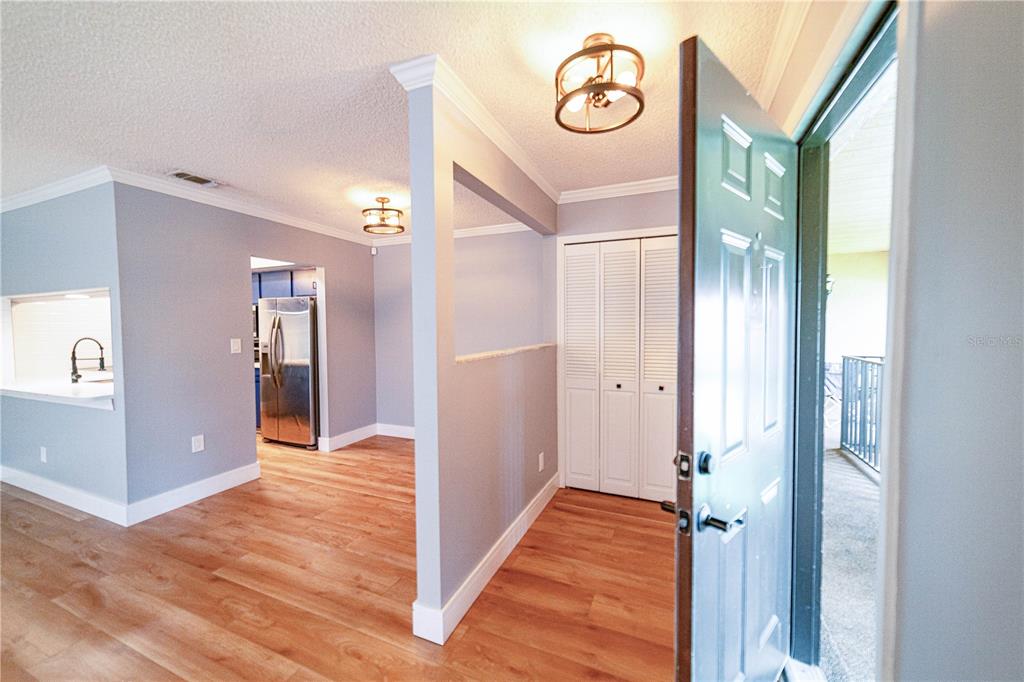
[(309, 573)]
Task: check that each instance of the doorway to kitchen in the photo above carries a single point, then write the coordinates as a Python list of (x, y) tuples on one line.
[(288, 337), (846, 188)]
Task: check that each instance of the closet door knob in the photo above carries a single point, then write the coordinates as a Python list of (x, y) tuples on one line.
[(661, 388), (618, 385)]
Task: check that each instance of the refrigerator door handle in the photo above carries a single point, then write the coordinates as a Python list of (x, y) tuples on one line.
[(272, 355), (279, 353)]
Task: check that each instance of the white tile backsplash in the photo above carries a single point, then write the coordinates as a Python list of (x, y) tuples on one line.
[(44, 330)]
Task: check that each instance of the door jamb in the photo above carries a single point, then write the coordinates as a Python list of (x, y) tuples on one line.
[(876, 53), (561, 242)]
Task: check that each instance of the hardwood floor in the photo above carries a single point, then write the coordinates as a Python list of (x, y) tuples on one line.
[(309, 573)]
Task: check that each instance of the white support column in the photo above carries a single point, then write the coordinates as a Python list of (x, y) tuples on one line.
[(432, 320), (473, 497)]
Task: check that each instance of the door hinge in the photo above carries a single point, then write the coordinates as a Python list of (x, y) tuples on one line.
[(682, 462)]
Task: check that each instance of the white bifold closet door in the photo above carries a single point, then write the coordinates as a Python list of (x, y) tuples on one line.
[(580, 334), (620, 367), (619, 337), (659, 328)]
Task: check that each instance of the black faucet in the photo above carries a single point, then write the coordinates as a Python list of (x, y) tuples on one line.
[(75, 376)]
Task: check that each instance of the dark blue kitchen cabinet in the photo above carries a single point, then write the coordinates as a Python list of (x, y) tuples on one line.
[(256, 370), (303, 282), (276, 284)]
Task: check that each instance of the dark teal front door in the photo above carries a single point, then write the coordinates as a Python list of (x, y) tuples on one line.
[(737, 318)]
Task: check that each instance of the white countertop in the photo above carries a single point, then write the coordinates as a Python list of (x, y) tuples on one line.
[(96, 394)]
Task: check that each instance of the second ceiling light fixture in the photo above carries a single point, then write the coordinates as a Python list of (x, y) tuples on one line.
[(598, 88), (382, 220)]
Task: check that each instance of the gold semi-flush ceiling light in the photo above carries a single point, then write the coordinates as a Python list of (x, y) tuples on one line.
[(381, 220), (598, 88)]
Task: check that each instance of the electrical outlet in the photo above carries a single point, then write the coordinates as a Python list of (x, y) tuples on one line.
[(540, 462), (42, 454), (236, 346), (198, 443)]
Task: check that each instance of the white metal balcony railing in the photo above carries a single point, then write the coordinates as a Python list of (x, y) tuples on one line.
[(862, 407)]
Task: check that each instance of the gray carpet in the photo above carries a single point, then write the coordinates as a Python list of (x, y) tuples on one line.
[(850, 510)]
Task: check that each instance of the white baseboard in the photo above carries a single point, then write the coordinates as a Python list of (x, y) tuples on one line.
[(187, 494), (129, 514), (435, 624), (76, 498), (328, 443), (396, 430)]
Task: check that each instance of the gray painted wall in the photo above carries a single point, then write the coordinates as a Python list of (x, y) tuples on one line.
[(186, 288), (501, 293), (505, 293), (956, 350), (392, 292), (57, 245), (501, 413), (654, 209)]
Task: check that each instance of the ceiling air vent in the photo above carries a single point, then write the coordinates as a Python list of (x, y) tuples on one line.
[(192, 177)]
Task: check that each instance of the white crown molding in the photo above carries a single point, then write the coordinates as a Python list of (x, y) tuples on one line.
[(75, 183), (214, 196), (622, 189), (432, 70), (208, 196), (787, 30), (482, 231)]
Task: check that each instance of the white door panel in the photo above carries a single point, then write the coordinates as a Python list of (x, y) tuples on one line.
[(657, 443), (581, 438), (619, 442)]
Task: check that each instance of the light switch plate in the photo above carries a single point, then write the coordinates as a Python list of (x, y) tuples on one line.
[(236, 346), (540, 462), (198, 443), (42, 454)]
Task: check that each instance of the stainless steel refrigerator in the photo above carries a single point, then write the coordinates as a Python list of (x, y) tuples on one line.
[(288, 377)]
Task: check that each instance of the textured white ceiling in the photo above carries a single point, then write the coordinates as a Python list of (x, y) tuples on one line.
[(292, 104), (860, 172)]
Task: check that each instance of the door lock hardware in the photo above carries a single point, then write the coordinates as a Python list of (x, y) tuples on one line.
[(682, 462), (705, 462), (683, 520), (683, 524), (705, 520)]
